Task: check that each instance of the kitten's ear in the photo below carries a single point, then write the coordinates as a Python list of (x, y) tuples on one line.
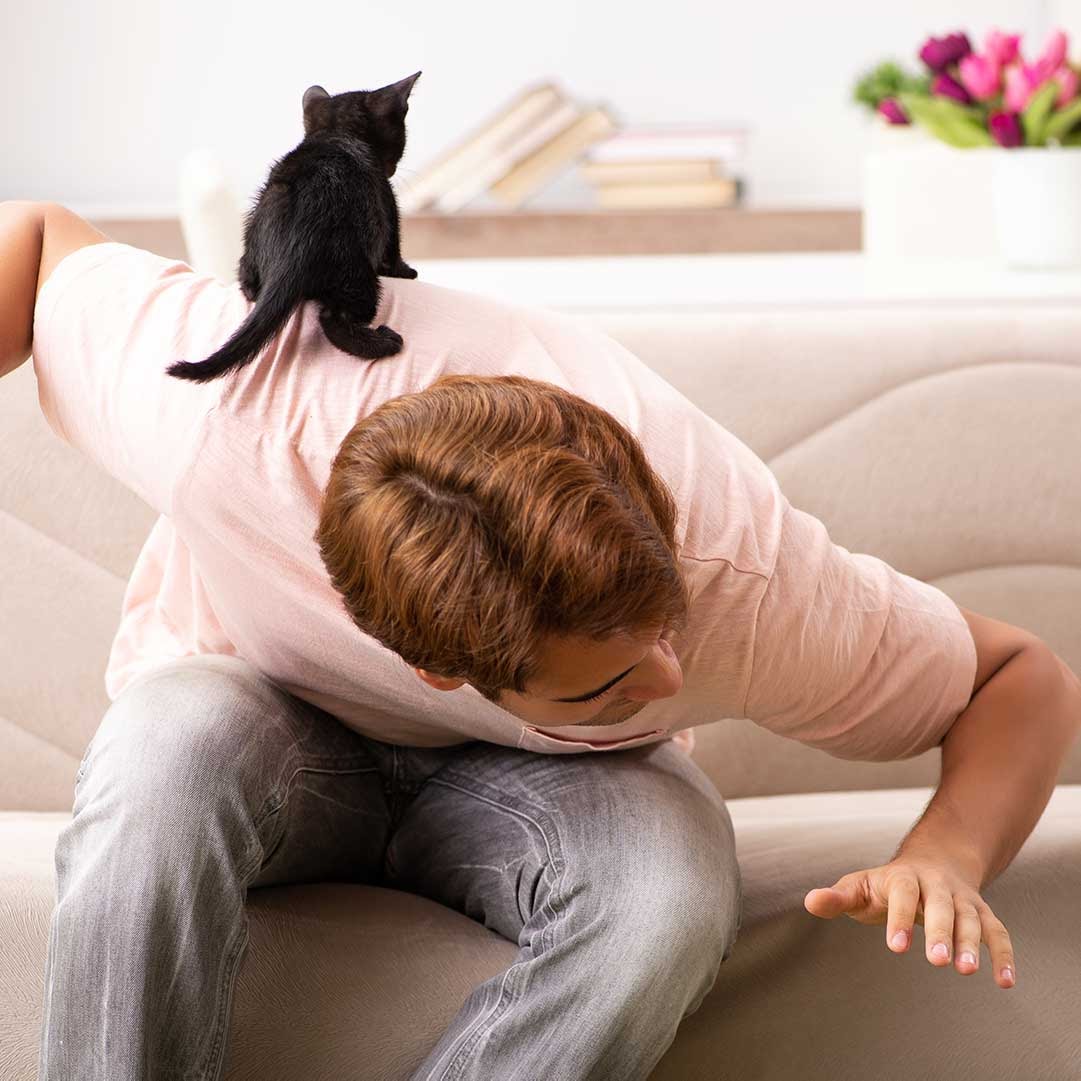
[(313, 120), (313, 93), (395, 97)]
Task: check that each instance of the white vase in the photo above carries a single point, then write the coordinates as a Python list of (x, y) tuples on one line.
[(923, 199), (1036, 192)]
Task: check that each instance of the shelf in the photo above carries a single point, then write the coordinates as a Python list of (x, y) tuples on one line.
[(517, 234), (493, 234)]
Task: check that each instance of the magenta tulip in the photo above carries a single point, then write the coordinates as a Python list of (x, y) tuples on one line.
[(1005, 129), (1053, 55), (947, 87), (891, 109), (980, 76), (1002, 48), (1022, 81), (938, 53), (1068, 84)]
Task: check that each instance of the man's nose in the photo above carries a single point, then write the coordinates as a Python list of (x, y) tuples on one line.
[(659, 677)]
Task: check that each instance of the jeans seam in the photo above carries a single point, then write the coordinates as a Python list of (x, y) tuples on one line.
[(276, 800), (222, 1007), (555, 904)]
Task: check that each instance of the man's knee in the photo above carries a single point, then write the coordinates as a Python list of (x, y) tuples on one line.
[(662, 875), (689, 897)]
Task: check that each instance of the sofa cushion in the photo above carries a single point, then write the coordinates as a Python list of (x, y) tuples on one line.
[(343, 980)]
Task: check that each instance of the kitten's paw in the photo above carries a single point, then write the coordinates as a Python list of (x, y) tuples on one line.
[(389, 339), (402, 270)]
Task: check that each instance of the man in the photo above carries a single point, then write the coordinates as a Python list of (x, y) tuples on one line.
[(542, 529)]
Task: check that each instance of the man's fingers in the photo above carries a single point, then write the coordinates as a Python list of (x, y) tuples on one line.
[(904, 896), (828, 901), (999, 946), (938, 926), (966, 938)]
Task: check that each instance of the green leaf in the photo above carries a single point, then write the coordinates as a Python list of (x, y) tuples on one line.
[(1034, 117), (956, 124), (886, 80), (1073, 139), (1061, 121)]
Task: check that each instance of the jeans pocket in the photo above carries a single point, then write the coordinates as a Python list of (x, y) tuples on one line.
[(83, 764)]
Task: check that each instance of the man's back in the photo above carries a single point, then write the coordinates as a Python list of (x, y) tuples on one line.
[(237, 468)]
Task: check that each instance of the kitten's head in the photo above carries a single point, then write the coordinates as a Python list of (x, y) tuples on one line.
[(376, 116)]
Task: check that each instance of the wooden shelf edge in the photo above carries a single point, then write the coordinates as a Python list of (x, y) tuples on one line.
[(571, 231)]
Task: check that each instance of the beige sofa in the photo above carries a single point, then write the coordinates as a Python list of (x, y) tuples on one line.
[(945, 440)]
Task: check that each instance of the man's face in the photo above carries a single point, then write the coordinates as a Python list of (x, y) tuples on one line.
[(571, 667)]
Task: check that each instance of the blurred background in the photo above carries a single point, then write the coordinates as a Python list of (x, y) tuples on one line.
[(106, 104)]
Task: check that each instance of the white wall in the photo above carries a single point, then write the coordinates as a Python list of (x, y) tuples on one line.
[(101, 98)]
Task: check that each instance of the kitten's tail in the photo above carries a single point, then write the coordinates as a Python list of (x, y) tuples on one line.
[(276, 302)]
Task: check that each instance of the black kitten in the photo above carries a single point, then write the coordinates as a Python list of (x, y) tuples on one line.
[(324, 226)]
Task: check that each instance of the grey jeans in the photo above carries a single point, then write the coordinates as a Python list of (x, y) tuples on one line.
[(205, 779)]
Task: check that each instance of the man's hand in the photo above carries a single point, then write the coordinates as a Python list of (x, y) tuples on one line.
[(925, 890)]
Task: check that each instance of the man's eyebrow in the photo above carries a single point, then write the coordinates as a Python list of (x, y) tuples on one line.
[(599, 690)]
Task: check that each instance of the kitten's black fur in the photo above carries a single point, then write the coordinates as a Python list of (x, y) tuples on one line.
[(323, 227)]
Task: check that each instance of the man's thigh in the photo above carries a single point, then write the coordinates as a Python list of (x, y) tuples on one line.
[(208, 742), (507, 836)]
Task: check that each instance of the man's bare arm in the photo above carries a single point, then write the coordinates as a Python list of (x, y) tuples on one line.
[(34, 238), (1000, 761), (1001, 758), (22, 227)]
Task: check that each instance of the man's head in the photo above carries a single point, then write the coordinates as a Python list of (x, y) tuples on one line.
[(503, 532)]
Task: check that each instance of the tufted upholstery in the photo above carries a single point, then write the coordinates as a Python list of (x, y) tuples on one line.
[(944, 440)]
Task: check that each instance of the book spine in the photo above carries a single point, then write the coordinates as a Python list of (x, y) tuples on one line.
[(630, 172), (666, 149), (532, 173), (488, 172), (456, 162), (719, 193)]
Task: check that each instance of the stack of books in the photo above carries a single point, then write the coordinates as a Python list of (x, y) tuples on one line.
[(543, 132), (670, 166), (512, 155)]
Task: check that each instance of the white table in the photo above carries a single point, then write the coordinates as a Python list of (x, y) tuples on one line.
[(741, 282)]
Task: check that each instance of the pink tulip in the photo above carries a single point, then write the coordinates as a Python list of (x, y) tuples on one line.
[(1005, 129), (1022, 81), (1002, 48), (1068, 84), (1054, 53), (980, 76), (891, 109), (945, 86), (937, 53)]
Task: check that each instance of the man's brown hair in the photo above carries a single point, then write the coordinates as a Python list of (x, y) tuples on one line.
[(466, 522)]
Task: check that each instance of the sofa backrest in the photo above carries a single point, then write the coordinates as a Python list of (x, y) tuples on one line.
[(946, 441)]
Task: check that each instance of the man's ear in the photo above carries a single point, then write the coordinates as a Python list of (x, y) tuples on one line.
[(441, 683)]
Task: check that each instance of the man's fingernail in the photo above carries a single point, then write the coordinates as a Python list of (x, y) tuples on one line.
[(1007, 973), (968, 958), (940, 949), (900, 940)]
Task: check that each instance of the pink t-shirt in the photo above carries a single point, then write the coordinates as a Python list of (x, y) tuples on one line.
[(832, 648)]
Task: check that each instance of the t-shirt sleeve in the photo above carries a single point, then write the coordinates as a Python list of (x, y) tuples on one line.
[(851, 655), (108, 322)]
